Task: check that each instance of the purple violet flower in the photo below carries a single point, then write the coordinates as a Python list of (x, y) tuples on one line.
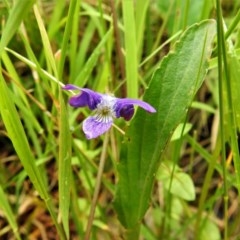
[(106, 108)]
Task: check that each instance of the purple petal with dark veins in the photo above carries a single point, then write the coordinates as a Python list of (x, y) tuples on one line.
[(86, 97), (127, 112), (93, 128), (124, 107)]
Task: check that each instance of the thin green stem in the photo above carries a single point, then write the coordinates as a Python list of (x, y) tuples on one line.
[(35, 66), (220, 44), (118, 128), (97, 187)]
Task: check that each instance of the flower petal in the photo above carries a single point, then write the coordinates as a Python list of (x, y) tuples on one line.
[(124, 107), (71, 87), (94, 128), (127, 111), (86, 97)]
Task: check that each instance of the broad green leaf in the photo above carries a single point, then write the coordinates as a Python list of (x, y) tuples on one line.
[(178, 183), (64, 166), (14, 20), (181, 185), (171, 92), (179, 131), (209, 230)]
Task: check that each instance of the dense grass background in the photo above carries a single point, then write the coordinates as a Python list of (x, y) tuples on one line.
[(56, 184)]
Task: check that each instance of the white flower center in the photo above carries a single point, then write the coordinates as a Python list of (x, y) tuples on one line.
[(105, 109)]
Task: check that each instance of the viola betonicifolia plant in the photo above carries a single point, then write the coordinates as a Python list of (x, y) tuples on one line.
[(106, 108)]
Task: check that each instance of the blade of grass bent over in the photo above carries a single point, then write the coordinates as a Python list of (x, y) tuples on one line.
[(35, 66)]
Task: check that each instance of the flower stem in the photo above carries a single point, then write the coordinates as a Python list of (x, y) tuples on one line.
[(119, 129), (97, 187)]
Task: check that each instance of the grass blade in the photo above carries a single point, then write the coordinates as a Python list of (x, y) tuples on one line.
[(82, 77), (64, 173), (17, 135), (66, 37), (19, 140), (4, 205), (45, 40), (141, 12), (15, 18), (130, 48)]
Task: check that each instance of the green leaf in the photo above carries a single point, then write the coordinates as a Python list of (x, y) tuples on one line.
[(15, 18), (181, 184), (179, 131), (209, 230), (171, 92)]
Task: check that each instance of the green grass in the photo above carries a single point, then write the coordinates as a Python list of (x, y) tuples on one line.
[(146, 184)]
